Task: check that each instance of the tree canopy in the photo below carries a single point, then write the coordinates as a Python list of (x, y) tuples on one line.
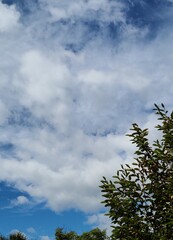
[(14, 236), (140, 196), (94, 234)]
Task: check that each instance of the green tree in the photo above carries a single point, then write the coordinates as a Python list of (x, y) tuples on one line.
[(17, 236), (140, 196), (94, 234), (60, 234)]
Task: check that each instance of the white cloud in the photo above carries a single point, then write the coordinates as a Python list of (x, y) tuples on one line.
[(9, 18), (13, 231), (20, 200), (84, 9), (41, 76), (70, 169), (101, 221), (44, 238), (31, 230)]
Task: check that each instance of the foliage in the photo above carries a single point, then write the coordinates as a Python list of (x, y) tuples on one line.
[(14, 236), (140, 197), (17, 236), (60, 234), (95, 234)]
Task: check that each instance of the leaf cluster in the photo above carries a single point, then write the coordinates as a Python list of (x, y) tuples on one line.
[(140, 196), (94, 234)]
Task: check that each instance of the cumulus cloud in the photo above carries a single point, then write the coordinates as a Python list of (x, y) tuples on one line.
[(20, 200), (74, 76), (9, 18), (52, 178)]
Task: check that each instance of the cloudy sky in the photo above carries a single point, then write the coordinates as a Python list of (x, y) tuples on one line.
[(74, 76)]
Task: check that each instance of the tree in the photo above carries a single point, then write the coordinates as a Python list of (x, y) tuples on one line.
[(17, 236), (140, 196), (94, 234), (60, 234), (14, 236)]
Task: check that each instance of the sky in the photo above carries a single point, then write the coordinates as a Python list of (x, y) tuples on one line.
[(74, 76)]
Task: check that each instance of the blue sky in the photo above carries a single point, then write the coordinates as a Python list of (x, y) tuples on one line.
[(74, 76)]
